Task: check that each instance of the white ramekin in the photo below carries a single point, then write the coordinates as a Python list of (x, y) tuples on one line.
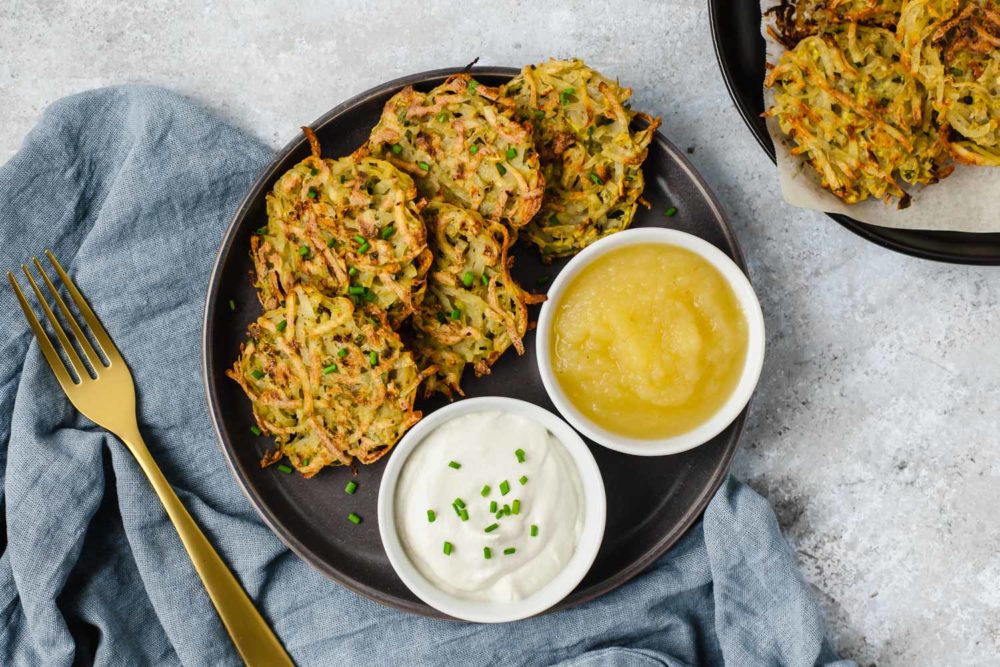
[(595, 511), (751, 367)]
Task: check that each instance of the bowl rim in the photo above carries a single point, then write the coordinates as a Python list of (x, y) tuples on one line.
[(752, 364), (591, 536)]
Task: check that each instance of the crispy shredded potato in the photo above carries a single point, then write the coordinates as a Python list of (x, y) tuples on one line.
[(953, 47), (857, 114), (347, 227), (462, 145), (591, 153), (474, 310), (330, 382), (797, 19)]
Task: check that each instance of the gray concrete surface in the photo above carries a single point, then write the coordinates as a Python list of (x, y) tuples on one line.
[(874, 431)]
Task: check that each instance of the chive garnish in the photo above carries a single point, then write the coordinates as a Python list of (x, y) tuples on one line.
[(473, 84), (670, 212), (303, 251), (342, 352), (515, 507), (364, 247), (423, 165), (506, 509), (370, 296), (454, 464), (353, 271), (354, 518), (282, 325), (447, 548), (468, 279), (332, 368), (534, 530), (519, 453), (285, 469), (313, 171), (388, 232), (504, 488), (312, 193), (493, 506), (463, 514), (484, 279), (455, 314), (486, 491), (442, 117), (565, 94), (397, 149), (255, 429), (458, 510), (351, 487), (501, 169), (490, 528), (232, 305), (509, 551), (956, 71), (511, 153), (498, 514), (459, 502), (359, 238), (487, 554), (596, 179), (473, 149), (354, 289), (261, 230), (257, 374), (373, 358), (523, 480), (431, 515)]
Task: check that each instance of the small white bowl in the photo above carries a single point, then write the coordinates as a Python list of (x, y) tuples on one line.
[(595, 511), (751, 367)]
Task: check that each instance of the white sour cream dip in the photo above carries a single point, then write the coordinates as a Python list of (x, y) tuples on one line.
[(456, 462)]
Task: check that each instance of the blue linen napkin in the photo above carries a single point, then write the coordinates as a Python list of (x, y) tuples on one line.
[(132, 187)]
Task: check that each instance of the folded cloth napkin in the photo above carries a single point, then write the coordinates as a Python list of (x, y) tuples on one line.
[(132, 187)]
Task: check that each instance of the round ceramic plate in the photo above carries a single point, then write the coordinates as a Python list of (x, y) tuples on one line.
[(740, 50), (651, 501)]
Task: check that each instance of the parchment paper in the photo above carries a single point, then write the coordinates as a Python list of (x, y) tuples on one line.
[(966, 201)]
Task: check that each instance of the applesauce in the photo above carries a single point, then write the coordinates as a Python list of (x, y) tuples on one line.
[(649, 341)]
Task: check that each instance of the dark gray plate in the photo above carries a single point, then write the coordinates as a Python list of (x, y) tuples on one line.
[(651, 501)]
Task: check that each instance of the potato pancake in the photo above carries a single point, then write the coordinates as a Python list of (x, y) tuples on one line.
[(347, 227), (473, 310), (857, 115), (461, 144), (591, 154), (329, 381)]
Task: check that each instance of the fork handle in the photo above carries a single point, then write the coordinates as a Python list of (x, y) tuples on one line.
[(253, 638)]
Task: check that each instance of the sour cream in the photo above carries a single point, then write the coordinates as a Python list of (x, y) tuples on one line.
[(457, 471)]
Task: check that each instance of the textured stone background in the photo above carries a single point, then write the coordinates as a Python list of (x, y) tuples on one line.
[(874, 431)]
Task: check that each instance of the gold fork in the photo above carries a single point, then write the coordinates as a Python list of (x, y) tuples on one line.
[(109, 401)]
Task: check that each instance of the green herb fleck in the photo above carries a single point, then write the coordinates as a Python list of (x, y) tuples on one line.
[(454, 464), (504, 488), (431, 515), (351, 487), (670, 212), (285, 469), (448, 547), (486, 491), (354, 518), (255, 429), (490, 528), (534, 530)]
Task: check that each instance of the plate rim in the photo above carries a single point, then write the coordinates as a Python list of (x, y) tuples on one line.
[(226, 243), (872, 233)]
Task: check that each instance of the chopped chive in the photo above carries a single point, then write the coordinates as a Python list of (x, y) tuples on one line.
[(261, 230), (498, 514), (511, 153), (506, 509), (285, 469), (282, 325), (454, 464), (490, 528), (493, 506), (313, 171), (351, 487), (255, 429), (354, 289), (342, 179), (423, 165), (565, 95), (388, 232), (312, 193), (459, 502), (504, 488), (359, 238), (473, 149), (956, 71), (364, 247), (509, 551), (431, 515), (342, 352), (596, 179), (670, 212), (473, 84), (515, 507), (305, 462), (458, 510), (519, 453), (397, 149), (486, 491), (303, 251), (590, 131), (487, 554), (373, 358), (442, 117), (523, 480), (539, 114), (332, 242), (468, 279), (354, 518), (455, 314), (257, 374), (534, 530), (501, 169), (463, 514), (232, 305), (484, 279), (447, 548), (369, 297), (332, 368)]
